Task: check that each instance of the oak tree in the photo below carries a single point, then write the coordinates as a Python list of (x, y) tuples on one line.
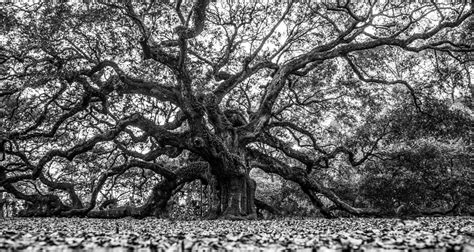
[(210, 90)]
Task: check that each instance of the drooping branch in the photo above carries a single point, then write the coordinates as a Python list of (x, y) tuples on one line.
[(286, 148), (325, 211), (71, 153), (361, 76), (301, 177), (293, 126), (67, 187), (167, 174), (309, 159), (160, 194), (183, 175)]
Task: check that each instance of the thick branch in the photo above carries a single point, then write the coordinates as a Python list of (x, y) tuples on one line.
[(300, 176), (199, 18)]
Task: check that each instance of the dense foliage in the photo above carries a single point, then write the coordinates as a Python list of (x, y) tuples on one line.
[(212, 109)]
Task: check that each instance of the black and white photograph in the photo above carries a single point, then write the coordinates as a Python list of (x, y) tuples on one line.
[(237, 125)]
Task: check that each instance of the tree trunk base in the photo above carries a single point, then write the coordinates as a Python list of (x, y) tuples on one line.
[(238, 217), (235, 199)]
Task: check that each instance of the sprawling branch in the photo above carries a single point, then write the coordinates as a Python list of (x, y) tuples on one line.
[(74, 151), (300, 176), (286, 148), (293, 126), (161, 133), (160, 193), (361, 76), (67, 187), (139, 86), (324, 52)]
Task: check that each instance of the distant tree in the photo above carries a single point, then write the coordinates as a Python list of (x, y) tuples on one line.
[(98, 99)]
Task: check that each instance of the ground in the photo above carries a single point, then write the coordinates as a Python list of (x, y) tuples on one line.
[(150, 234)]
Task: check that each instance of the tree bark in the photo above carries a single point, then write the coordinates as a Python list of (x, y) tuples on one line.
[(234, 190), (237, 196), (325, 211)]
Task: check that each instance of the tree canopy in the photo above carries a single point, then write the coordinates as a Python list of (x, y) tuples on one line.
[(147, 97)]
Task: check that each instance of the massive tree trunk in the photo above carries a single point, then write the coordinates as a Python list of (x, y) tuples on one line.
[(236, 197), (232, 188)]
